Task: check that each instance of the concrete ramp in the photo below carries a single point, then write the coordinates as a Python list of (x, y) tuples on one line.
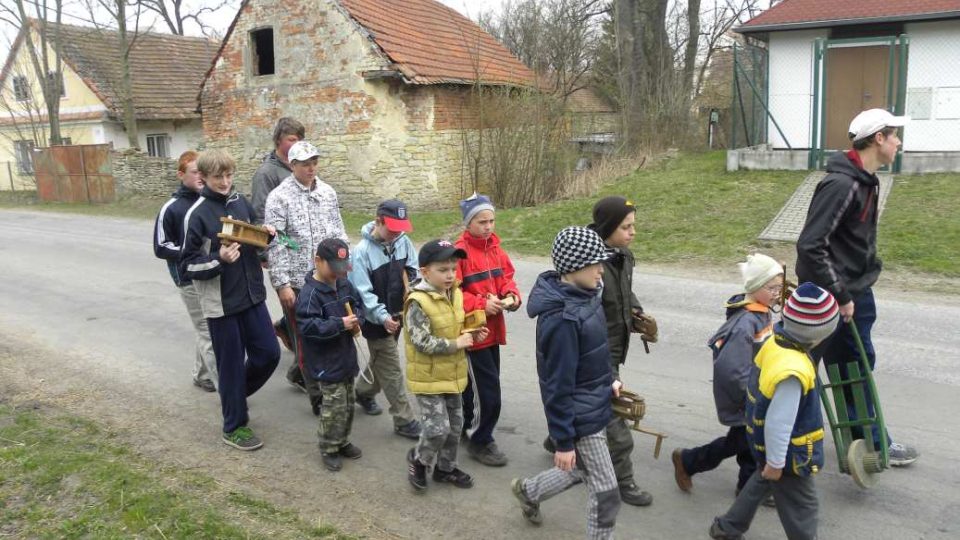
[(788, 223)]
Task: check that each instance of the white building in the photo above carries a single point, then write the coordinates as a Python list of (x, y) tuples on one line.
[(830, 59)]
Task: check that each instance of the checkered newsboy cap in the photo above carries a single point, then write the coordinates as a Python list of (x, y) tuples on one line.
[(576, 248)]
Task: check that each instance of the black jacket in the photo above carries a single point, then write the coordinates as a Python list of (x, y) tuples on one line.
[(573, 359), (837, 248), (168, 230), (329, 351), (225, 289), (619, 302), (267, 177)]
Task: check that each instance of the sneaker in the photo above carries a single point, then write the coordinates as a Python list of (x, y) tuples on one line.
[(410, 430), (242, 438), (298, 384), (350, 451), (205, 384), (901, 455), (549, 446), (332, 461), (487, 454), (530, 509), (456, 477), (369, 405), (679, 472), (280, 330), (717, 533), (632, 495), (416, 471)]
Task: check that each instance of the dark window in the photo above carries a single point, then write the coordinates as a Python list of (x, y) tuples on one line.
[(24, 150), (66, 141), (21, 88), (158, 145), (56, 78), (262, 51)]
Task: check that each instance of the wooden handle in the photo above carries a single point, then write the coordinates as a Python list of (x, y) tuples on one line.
[(355, 331)]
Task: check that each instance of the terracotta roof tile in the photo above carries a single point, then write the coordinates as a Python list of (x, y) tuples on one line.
[(166, 70), (431, 43), (811, 11)]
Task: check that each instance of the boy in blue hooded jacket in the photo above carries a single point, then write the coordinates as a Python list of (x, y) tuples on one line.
[(576, 381)]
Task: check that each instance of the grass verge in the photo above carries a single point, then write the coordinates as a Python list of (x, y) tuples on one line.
[(690, 211), (63, 476)]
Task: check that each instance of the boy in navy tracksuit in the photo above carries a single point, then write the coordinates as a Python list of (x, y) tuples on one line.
[(327, 329), (384, 255), (229, 281), (576, 381), (167, 238), (735, 343)]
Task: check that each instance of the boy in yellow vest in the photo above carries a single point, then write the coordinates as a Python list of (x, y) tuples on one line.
[(436, 364)]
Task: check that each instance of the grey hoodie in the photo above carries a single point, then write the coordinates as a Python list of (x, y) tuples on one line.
[(734, 345)]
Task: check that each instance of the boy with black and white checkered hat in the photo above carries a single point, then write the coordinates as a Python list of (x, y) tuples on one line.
[(575, 388)]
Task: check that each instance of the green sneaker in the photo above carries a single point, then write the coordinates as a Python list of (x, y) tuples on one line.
[(242, 438)]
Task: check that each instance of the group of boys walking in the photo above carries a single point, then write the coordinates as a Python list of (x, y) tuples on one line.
[(586, 311)]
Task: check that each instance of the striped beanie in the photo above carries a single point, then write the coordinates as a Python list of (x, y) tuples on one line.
[(810, 315)]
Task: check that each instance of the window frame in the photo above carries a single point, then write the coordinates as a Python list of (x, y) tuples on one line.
[(23, 151), (152, 147), (21, 83)]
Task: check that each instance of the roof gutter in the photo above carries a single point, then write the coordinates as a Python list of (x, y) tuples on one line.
[(748, 29)]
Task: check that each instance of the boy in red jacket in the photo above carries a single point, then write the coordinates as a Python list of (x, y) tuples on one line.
[(486, 277)]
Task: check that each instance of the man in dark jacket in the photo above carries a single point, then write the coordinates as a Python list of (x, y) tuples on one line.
[(275, 167), (837, 248), (229, 281)]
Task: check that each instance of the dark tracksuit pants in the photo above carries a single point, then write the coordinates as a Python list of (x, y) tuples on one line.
[(247, 353), (297, 372), (620, 443), (481, 398), (841, 348), (709, 456), (797, 506)]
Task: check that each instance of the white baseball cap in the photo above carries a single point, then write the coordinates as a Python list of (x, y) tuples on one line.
[(871, 121), (302, 151)]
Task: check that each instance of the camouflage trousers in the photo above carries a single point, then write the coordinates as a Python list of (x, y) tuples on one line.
[(336, 415), (441, 416)]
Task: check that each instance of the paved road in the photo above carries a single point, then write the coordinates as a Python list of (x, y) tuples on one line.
[(90, 289)]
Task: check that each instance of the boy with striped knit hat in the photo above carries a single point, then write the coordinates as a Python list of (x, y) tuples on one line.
[(784, 421)]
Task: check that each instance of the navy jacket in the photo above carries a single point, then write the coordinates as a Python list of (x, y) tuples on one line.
[(734, 345), (837, 248), (328, 350), (573, 359), (225, 289), (168, 230)]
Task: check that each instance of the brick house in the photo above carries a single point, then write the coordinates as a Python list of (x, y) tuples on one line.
[(381, 85)]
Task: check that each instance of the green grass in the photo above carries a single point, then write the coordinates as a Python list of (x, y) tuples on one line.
[(920, 229), (66, 477)]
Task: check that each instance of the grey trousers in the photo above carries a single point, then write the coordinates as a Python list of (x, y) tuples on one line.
[(386, 374), (797, 505), (205, 363), (593, 467)]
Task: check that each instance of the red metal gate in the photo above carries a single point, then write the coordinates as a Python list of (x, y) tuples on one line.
[(78, 173)]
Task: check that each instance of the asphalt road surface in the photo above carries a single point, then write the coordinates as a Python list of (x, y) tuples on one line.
[(89, 291)]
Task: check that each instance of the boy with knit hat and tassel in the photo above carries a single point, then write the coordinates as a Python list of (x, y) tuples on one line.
[(784, 421), (734, 345), (486, 279)]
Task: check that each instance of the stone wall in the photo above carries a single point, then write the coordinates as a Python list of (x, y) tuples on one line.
[(136, 174), (378, 137)]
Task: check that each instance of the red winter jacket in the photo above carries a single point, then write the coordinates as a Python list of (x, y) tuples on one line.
[(486, 270)]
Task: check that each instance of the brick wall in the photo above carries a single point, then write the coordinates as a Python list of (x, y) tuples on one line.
[(379, 138)]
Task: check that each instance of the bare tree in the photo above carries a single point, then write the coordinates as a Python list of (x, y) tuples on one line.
[(176, 13), (41, 38)]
